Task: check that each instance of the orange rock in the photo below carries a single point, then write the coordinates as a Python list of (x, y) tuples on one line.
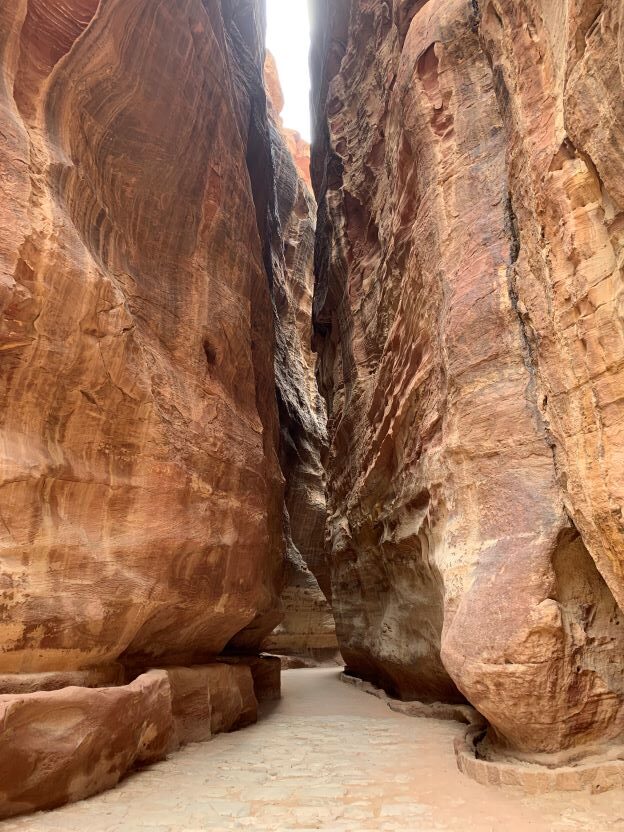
[(308, 626), (141, 490), (308, 629), (265, 672), (468, 168), (97, 677), (299, 149), (68, 744)]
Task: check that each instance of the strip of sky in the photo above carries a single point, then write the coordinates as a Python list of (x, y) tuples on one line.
[(288, 38)]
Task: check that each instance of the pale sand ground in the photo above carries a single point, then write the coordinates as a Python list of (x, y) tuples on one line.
[(327, 757)]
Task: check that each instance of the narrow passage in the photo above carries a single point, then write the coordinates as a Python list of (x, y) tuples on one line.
[(328, 757)]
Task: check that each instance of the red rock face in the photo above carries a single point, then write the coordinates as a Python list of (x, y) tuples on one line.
[(308, 626), (68, 744), (210, 700), (68, 736), (298, 147), (469, 326), (141, 490)]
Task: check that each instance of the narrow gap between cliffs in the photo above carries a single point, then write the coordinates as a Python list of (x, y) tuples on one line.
[(306, 635)]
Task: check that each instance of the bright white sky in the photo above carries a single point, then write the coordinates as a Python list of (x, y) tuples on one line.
[(288, 38)]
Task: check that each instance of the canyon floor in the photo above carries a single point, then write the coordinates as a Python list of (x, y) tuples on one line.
[(326, 757)]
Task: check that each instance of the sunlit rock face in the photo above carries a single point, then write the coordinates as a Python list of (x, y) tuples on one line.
[(141, 497), (299, 148), (468, 164), (308, 626)]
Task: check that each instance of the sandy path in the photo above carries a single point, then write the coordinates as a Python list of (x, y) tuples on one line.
[(326, 757)]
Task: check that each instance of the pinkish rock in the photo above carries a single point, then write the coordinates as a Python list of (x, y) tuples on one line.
[(67, 744)]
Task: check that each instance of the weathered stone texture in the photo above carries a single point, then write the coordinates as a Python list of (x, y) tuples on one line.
[(141, 495), (308, 625), (210, 700), (468, 314), (68, 744), (265, 672), (63, 743), (299, 148)]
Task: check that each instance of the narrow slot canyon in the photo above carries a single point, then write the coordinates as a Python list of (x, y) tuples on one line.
[(311, 423)]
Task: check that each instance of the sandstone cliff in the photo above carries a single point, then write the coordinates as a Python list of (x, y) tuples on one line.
[(141, 494), (468, 314), (141, 490), (298, 147), (308, 626)]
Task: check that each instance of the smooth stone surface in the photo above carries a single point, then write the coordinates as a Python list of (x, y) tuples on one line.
[(266, 672), (207, 700), (64, 745)]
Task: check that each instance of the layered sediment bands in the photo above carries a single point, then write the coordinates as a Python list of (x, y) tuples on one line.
[(141, 495), (469, 326), (308, 629), (308, 626)]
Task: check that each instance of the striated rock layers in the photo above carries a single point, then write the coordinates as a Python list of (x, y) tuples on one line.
[(140, 485), (308, 626), (469, 168), (141, 493)]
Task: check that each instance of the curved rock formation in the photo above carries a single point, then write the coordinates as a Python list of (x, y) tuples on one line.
[(468, 318), (141, 490), (68, 744), (308, 626), (141, 495)]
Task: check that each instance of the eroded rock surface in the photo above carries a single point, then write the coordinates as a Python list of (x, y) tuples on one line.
[(308, 627), (299, 148), (468, 314), (62, 743), (141, 494), (210, 700), (65, 745)]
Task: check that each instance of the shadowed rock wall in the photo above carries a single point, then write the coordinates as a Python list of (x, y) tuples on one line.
[(468, 313), (308, 626)]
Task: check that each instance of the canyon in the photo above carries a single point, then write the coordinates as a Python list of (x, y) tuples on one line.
[(468, 321), (150, 313), (267, 406)]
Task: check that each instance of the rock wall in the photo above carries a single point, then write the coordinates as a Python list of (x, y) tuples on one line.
[(299, 148), (468, 315), (142, 499), (140, 481), (308, 626)]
